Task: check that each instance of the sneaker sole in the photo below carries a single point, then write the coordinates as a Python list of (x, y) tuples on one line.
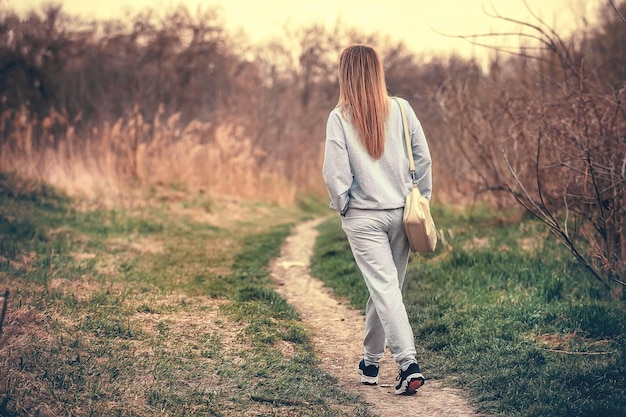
[(369, 380), (410, 385)]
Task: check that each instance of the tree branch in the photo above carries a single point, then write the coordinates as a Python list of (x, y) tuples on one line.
[(617, 11)]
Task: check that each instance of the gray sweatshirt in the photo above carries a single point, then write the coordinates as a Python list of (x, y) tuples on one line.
[(354, 179)]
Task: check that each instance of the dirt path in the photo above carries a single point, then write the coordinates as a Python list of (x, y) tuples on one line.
[(337, 332)]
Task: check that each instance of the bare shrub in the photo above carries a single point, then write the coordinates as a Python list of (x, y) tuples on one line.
[(549, 128)]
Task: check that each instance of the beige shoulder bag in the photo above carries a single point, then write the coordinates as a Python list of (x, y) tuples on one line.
[(418, 222)]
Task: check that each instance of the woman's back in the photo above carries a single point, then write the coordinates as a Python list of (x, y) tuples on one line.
[(370, 183)]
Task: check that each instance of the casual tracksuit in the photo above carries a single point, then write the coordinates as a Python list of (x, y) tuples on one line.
[(370, 195)]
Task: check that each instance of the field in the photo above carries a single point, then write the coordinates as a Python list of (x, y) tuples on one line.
[(502, 311), (167, 309)]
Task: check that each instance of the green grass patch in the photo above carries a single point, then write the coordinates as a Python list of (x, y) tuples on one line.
[(503, 311), (152, 311)]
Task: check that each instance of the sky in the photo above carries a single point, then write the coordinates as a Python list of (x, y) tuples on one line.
[(420, 24)]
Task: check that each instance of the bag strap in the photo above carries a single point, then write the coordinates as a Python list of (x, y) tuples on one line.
[(407, 140)]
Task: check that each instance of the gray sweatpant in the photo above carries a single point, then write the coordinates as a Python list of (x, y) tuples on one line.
[(381, 250)]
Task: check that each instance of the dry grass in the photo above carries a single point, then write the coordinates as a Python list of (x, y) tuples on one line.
[(572, 343), (111, 161)]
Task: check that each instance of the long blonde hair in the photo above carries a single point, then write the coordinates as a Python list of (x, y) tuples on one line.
[(363, 95)]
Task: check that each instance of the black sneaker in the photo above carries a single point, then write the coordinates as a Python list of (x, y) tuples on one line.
[(369, 374), (410, 380)]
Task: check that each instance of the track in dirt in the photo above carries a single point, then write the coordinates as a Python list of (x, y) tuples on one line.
[(337, 332)]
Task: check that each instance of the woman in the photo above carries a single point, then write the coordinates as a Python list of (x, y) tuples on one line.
[(366, 170)]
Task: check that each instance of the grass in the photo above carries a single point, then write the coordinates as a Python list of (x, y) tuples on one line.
[(501, 310), (166, 308)]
